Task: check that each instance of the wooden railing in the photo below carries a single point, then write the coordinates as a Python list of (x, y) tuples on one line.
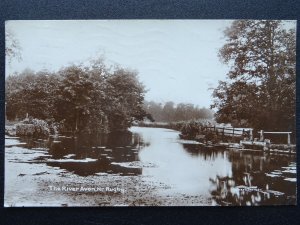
[(231, 131), (277, 132), (238, 132)]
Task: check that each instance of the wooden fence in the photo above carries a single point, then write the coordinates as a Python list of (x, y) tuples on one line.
[(262, 132), (247, 132), (231, 131)]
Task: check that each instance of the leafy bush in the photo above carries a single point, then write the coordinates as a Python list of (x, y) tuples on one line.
[(191, 129), (24, 129), (35, 128), (10, 130)]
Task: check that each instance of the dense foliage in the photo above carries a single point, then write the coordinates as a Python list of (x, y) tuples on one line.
[(260, 89), (34, 128), (12, 46), (93, 98), (169, 112), (189, 129)]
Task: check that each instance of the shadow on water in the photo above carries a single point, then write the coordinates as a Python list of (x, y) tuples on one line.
[(228, 177), (257, 177), (91, 154)]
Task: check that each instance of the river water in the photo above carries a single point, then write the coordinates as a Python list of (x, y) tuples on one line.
[(226, 177)]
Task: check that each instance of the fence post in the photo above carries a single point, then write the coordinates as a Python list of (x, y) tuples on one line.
[(251, 135), (261, 135), (223, 134), (289, 139), (232, 132)]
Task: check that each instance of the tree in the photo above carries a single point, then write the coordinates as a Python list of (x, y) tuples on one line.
[(73, 98), (83, 99), (154, 109), (124, 100), (12, 46), (30, 93), (260, 87), (168, 112)]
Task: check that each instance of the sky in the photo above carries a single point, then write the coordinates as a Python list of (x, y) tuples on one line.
[(177, 60)]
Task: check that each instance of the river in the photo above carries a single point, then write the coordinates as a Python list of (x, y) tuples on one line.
[(146, 166)]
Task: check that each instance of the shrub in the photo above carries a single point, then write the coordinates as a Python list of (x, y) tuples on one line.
[(33, 128), (10, 130)]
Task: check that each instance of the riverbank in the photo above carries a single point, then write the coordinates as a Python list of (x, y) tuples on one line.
[(145, 167), (29, 181), (225, 136)]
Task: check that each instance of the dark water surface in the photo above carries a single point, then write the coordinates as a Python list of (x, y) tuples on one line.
[(229, 177)]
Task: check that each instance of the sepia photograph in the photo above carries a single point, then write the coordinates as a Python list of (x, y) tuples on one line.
[(150, 113)]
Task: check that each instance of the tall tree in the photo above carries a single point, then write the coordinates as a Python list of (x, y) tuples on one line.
[(84, 99), (12, 46), (74, 98), (168, 111), (155, 110), (125, 96), (31, 93), (260, 89)]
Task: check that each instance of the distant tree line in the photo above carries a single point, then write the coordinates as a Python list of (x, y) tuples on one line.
[(171, 112), (79, 98), (260, 90)]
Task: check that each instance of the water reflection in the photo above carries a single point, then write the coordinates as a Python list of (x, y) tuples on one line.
[(257, 179), (228, 177), (88, 155), (184, 172)]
